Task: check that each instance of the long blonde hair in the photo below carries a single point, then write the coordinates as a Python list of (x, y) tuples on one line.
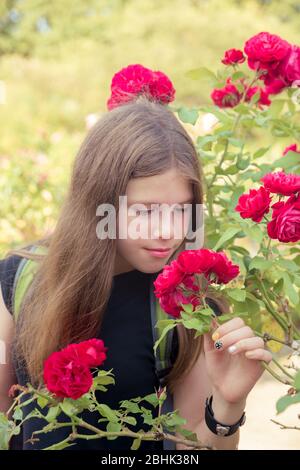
[(69, 293)]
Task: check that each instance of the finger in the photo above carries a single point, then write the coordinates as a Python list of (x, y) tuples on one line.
[(228, 326), (259, 355), (246, 344), (233, 337), (208, 343)]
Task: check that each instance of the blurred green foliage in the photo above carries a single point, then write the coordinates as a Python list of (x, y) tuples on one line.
[(56, 62)]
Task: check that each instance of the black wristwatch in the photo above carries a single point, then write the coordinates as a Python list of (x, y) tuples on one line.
[(219, 428)]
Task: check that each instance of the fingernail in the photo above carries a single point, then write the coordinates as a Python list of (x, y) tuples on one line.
[(215, 336), (232, 349), (250, 354), (218, 344)]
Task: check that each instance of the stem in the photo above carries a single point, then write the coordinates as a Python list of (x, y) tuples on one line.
[(275, 375), (283, 369), (283, 426), (267, 337), (141, 435), (277, 317)]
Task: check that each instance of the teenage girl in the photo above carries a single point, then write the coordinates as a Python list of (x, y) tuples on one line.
[(88, 286)]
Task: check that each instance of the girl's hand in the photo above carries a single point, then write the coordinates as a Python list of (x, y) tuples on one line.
[(233, 360)]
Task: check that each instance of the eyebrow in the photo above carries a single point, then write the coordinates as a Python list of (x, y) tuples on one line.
[(151, 202)]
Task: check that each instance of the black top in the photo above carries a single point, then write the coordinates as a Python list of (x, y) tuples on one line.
[(127, 333)]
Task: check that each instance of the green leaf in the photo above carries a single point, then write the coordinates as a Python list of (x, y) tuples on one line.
[(190, 435), (188, 308), (259, 153), (260, 263), (136, 444), (68, 408), (129, 420), (202, 73), (60, 445), (290, 290), (286, 401), (237, 294), (107, 412), (163, 334), (188, 115), (276, 107), (18, 414), (52, 413), (227, 235), (238, 75), (152, 398), (113, 427), (297, 381), (288, 264), (174, 420), (42, 401), (192, 323), (130, 406), (287, 161)]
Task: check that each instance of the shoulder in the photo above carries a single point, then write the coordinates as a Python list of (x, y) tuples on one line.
[(8, 269)]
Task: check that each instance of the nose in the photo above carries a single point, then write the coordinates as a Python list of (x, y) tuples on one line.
[(162, 227)]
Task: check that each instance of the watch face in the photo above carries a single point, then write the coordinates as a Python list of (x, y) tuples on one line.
[(222, 430)]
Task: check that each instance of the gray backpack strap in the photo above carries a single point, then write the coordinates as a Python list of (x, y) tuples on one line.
[(163, 362)]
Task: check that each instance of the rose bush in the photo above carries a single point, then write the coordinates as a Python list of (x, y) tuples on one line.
[(255, 93)]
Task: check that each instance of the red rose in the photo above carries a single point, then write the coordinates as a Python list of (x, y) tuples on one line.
[(285, 223), (275, 86), (223, 269), (137, 79), (226, 97), (292, 147), (290, 68), (168, 279), (170, 302), (263, 96), (254, 205), (66, 376), (92, 352), (281, 183), (233, 56), (161, 88), (196, 261), (266, 51), (173, 284)]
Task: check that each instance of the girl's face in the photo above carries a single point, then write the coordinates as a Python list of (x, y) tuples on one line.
[(145, 228)]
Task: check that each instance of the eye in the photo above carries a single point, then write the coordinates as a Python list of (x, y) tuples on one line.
[(145, 212), (180, 209)]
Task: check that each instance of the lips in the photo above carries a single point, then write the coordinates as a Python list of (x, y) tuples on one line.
[(159, 249)]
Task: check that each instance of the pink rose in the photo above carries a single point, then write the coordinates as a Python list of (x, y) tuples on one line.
[(196, 261), (292, 147), (136, 79), (285, 223), (169, 278), (281, 183), (290, 67), (266, 51), (233, 56), (263, 96), (226, 97), (223, 269), (254, 205), (275, 86), (66, 376), (91, 352)]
